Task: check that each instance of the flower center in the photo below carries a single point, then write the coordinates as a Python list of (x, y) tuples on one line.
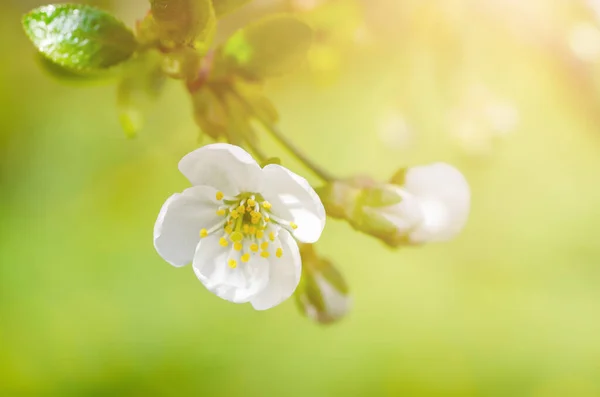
[(249, 226)]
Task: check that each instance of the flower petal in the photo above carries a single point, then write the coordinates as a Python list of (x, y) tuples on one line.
[(284, 274), (293, 199), (405, 215), (227, 168), (445, 199), (177, 229), (238, 285)]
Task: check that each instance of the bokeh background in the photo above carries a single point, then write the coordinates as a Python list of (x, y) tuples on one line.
[(506, 90)]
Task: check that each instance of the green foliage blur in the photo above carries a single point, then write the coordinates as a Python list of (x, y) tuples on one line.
[(506, 90)]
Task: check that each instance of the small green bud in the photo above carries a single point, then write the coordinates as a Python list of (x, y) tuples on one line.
[(323, 294)]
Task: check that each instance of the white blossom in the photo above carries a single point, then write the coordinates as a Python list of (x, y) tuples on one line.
[(238, 225)]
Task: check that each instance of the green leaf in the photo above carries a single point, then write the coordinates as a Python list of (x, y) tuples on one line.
[(270, 47), (71, 76), (184, 22), (79, 37), (223, 7)]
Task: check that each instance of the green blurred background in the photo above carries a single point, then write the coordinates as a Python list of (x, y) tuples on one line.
[(506, 90)]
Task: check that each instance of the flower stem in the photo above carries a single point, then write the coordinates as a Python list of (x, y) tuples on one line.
[(285, 142), (293, 149)]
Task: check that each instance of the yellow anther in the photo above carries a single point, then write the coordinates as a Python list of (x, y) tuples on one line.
[(272, 236), (254, 248), (265, 254), (266, 205), (255, 220), (246, 228), (223, 241), (228, 229), (279, 252), (203, 233), (260, 234), (236, 237), (220, 195), (221, 212), (246, 258), (232, 263), (293, 225), (237, 246), (264, 245), (252, 230), (251, 202), (241, 209), (234, 214)]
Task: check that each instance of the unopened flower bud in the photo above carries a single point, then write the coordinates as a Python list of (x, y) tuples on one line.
[(420, 204), (323, 294)]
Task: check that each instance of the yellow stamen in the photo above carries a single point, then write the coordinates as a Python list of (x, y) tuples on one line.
[(234, 214), (232, 263), (254, 248), (228, 229), (260, 234), (236, 237), (279, 252), (266, 205), (246, 229), (293, 225), (223, 241), (272, 236), (203, 233), (252, 230), (246, 258), (264, 245), (255, 220), (265, 254), (221, 212), (251, 202), (238, 246), (220, 195), (241, 209)]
